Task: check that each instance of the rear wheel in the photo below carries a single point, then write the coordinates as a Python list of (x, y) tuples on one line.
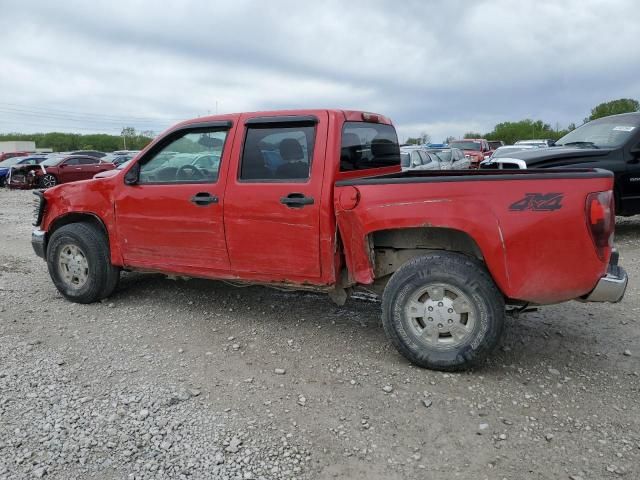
[(48, 181), (79, 263), (443, 311)]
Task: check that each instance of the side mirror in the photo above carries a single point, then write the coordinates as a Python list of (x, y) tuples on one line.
[(133, 175)]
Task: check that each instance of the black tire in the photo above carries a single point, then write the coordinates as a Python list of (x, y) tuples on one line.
[(91, 245), (48, 180), (422, 337)]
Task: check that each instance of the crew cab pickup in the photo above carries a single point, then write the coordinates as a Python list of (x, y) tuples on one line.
[(316, 199), (611, 143)]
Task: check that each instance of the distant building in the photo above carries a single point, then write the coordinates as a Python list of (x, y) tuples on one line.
[(17, 146)]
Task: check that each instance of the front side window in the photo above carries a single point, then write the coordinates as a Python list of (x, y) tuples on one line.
[(191, 157), (277, 153), (368, 145)]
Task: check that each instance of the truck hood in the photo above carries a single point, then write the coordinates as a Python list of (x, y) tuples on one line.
[(558, 156)]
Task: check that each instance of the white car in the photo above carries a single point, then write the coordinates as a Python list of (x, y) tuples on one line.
[(543, 142)]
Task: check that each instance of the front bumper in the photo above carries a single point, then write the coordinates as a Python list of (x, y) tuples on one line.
[(612, 286), (38, 238)]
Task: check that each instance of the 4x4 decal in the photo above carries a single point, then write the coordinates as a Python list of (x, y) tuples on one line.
[(539, 202)]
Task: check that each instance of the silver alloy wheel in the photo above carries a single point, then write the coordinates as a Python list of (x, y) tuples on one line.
[(49, 181), (441, 315), (73, 266)]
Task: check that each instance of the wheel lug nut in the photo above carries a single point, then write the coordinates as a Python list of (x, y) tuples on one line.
[(440, 325), (450, 321), (431, 309), (430, 319), (450, 310), (440, 304)]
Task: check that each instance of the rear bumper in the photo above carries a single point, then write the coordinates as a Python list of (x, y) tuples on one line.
[(612, 286), (38, 242)]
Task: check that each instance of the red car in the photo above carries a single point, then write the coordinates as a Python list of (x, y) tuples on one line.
[(57, 170), (475, 149), (4, 156), (316, 200)]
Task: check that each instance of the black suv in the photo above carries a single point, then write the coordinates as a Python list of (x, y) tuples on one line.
[(612, 143)]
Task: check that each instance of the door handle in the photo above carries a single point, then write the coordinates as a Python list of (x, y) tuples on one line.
[(296, 200), (202, 199)]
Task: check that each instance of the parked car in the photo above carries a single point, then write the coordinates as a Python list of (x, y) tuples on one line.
[(57, 170), (88, 153), (495, 144), (475, 149), (544, 142), (451, 158), (417, 158), (611, 143), (7, 155), (502, 157), (446, 251), (6, 165)]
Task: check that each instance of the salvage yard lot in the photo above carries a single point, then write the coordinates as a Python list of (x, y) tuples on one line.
[(171, 378)]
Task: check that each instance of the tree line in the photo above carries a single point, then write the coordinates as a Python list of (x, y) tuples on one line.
[(510, 132), (130, 139)]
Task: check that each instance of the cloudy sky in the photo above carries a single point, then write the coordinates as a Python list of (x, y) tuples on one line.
[(442, 67)]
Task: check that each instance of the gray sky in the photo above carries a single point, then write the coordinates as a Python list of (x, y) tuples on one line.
[(443, 67)]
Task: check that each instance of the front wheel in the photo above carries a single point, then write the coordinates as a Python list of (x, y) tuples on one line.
[(79, 263), (48, 181), (443, 311)]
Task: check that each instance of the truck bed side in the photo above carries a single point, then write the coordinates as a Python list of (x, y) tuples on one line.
[(529, 228)]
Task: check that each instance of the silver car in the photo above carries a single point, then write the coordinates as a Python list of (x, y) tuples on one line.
[(417, 158)]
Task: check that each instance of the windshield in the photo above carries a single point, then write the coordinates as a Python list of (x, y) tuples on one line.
[(466, 145), (608, 132), (11, 161), (444, 155)]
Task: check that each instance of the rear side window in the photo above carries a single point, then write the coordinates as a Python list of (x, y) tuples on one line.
[(277, 153), (368, 145)]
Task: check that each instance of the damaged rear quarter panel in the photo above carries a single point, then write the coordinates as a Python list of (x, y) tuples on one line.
[(532, 255)]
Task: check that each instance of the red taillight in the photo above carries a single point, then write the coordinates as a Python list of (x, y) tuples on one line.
[(601, 221)]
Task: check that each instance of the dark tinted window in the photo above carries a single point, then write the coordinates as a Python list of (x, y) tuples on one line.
[(368, 145), (88, 161), (281, 153), (72, 161)]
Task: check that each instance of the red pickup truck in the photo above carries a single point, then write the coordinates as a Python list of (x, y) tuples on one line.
[(316, 199), (475, 149)]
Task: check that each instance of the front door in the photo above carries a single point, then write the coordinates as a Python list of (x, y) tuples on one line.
[(171, 219), (273, 201)]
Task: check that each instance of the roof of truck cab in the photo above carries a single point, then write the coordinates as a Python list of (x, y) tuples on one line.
[(349, 115)]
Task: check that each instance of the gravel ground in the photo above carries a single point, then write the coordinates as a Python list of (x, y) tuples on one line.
[(198, 379)]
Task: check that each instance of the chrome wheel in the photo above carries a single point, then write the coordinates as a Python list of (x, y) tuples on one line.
[(49, 181), (441, 316), (73, 266)]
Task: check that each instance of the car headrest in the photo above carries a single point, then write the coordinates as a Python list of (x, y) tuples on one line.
[(291, 150)]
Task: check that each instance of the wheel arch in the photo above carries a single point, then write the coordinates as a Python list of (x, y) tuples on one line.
[(77, 217), (392, 248)]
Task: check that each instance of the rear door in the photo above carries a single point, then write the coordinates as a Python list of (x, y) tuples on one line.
[(273, 198)]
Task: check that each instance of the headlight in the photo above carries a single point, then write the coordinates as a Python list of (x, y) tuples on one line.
[(38, 204)]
